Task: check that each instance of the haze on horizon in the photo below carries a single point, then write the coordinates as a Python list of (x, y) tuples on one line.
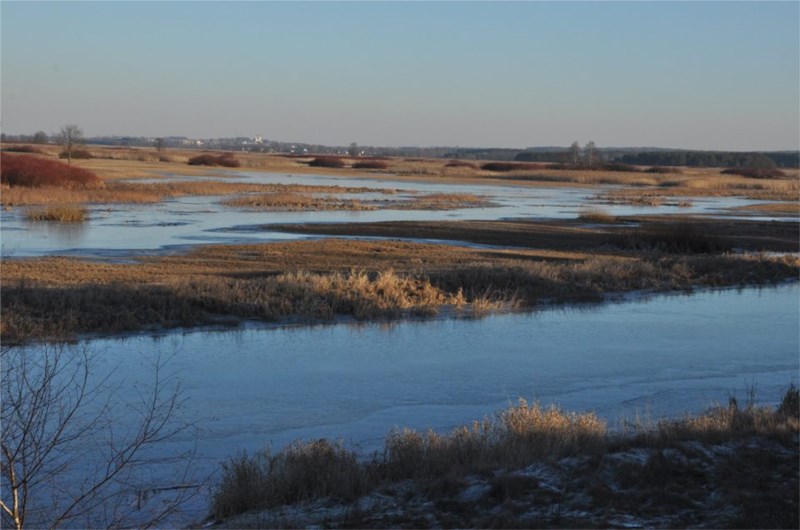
[(710, 75)]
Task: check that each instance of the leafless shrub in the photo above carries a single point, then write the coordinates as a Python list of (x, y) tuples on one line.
[(55, 412)]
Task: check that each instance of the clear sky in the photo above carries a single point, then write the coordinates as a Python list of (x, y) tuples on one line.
[(711, 75)]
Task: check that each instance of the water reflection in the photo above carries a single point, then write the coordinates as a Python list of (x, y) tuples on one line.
[(662, 355)]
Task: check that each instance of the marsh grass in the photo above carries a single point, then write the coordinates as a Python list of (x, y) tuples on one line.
[(305, 471), (283, 201), (61, 214), (441, 201), (57, 298), (511, 439), (596, 215), (675, 237)]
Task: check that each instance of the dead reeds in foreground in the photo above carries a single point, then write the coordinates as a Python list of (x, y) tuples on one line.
[(502, 446)]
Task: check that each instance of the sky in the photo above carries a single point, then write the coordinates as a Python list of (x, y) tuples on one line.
[(698, 75)]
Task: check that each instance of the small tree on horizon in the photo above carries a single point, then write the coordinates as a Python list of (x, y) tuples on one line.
[(158, 143), (70, 137), (590, 154), (353, 149), (40, 137), (575, 154)]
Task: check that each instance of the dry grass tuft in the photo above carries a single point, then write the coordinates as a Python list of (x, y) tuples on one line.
[(61, 214), (596, 215), (500, 446)]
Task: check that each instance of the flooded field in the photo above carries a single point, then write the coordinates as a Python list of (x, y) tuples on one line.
[(121, 231), (644, 358)]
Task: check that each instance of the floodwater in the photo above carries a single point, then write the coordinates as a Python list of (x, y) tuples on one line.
[(124, 231), (648, 357)]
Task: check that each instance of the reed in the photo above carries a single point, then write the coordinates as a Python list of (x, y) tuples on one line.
[(576, 449), (60, 214)]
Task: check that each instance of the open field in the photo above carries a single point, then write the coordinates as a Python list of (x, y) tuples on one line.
[(313, 281), (531, 467)]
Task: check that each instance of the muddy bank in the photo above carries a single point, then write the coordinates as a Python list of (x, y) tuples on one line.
[(751, 236)]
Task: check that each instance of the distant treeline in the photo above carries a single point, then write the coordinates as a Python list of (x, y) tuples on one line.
[(678, 158), (713, 159)]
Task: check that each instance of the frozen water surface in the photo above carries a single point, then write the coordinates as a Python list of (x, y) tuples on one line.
[(652, 357), (119, 231)]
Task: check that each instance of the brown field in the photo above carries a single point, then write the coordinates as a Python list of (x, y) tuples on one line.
[(319, 280), (112, 163)]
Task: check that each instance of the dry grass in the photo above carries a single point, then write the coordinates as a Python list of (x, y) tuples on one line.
[(291, 201), (786, 208), (441, 201), (133, 192), (61, 214), (56, 297), (112, 163), (305, 471), (596, 215), (501, 446), (283, 201)]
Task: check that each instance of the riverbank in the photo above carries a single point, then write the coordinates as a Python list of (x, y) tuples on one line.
[(321, 280), (734, 466)]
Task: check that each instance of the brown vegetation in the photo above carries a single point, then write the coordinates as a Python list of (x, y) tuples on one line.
[(596, 215), (22, 149), (511, 166), (731, 467), (664, 170), (283, 201), (81, 154), (370, 164), (56, 297), (755, 172), (327, 161), (224, 160), (461, 163), (34, 172), (61, 214)]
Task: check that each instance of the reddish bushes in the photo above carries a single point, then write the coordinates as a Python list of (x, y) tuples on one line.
[(510, 166), (34, 172), (755, 172), (225, 160), (370, 164), (76, 153), (23, 149), (460, 163), (327, 161)]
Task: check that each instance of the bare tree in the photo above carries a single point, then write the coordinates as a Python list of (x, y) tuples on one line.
[(353, 149), (158, 143), (70, 137), (40, 137), (57, 439), (590, 154), (575, 154)]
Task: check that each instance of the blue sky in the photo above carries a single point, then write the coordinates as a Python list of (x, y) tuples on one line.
[(711, 75)]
